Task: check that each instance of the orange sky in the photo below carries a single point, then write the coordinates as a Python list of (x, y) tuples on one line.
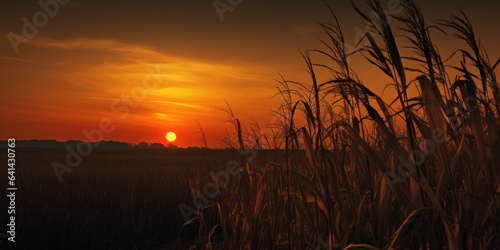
[(91, 53)]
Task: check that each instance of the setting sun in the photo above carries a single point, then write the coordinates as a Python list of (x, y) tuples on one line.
[(171, 136)]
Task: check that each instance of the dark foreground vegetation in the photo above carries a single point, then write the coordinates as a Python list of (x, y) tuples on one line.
[(115, 199), (418, 171)]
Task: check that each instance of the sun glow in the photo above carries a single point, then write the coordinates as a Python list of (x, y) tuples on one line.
[(171, 136)]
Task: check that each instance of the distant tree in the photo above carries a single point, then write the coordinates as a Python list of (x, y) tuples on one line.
[(171, 146), (143, 145), (39, 143), (114, 144), (157, 145)]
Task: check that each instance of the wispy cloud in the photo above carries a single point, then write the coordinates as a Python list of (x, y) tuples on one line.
[(144, 54), (17, 59), (188, 105), (87, 75)]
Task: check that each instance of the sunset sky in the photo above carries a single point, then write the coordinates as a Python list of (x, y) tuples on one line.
[(91, 53)]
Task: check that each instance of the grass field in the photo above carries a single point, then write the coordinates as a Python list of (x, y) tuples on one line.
[(116, 199), (418, 171)]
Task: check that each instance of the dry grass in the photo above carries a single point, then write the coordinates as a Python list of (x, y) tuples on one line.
[(116, 199), (345, 178)]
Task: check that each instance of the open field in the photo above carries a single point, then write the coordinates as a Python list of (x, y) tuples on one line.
[(117, 198)]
